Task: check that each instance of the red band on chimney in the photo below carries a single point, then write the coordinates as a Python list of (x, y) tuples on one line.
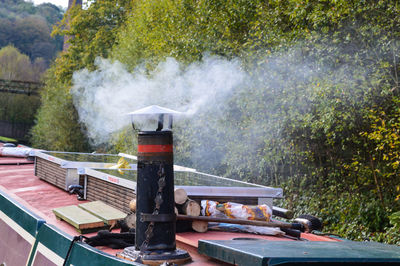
[(154, 148)]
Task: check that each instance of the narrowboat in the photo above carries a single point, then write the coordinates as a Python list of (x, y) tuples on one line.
[(54, 205)]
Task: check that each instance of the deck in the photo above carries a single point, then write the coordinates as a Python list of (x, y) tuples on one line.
[(18, 180)]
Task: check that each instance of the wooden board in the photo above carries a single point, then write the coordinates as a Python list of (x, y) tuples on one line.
[(111, 194), (103, 211), (50, 172), (78, 218)]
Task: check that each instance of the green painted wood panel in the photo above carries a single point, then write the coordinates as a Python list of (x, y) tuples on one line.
[(53, 239), (262, 252), (59, 242), (21, 215), (83, 254)]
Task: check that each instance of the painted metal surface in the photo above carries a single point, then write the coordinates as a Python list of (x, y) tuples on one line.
[(26, 239), (71, 161), (52, 248), (12, 235), (83, 254), (108, 177), (18, 229), (24, 218), (24, 199), (261, 252), (194, 183)]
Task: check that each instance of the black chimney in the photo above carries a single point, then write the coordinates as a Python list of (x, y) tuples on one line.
[(155, 209)]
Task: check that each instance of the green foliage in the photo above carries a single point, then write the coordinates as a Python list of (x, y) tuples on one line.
[(28, 28), (186, 30), (4, 139), (16, 66), (319, 117), (56, 127), (92, 34), (326, 64)]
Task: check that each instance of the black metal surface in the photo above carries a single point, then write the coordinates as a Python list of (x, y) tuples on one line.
[(281, 212), (149, 165), (155, 138), (160, 218), (156, 258)]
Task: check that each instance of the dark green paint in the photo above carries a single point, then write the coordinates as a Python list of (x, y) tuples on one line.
[(263, 252), (21, 215), (83, 254), (54, 239)]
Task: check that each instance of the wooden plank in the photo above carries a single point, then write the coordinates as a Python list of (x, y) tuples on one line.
[(111, 194), (77, 217), (118, 204), (103, 211), (51, 172)]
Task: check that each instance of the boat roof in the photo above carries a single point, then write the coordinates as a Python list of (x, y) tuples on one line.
[(18, 180)]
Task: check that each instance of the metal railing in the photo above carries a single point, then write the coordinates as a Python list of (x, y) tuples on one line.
[(20, 87)]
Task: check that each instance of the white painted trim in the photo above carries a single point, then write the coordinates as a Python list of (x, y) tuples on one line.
[(50, 158), (109, 178), (51, 255)]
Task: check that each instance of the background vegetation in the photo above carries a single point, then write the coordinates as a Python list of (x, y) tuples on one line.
[(28, 27), (320, 117), (16, 108), (26, 51)]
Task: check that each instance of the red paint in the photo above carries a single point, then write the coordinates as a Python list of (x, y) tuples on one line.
[(40, 197), (192, 239), (154, 148), (113, 179), (14, 160)]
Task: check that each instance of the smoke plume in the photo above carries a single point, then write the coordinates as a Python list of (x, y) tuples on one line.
[(104, 97)]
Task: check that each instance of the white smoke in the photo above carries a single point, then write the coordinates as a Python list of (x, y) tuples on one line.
[(103, 97)]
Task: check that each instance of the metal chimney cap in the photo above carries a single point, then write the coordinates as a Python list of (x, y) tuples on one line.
[(154, 110)]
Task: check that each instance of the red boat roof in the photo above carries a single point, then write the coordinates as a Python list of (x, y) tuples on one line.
[(17, 179)]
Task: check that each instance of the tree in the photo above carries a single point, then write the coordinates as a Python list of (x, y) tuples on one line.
[(17, 66), (93, 33), (28, 28), (14, 65), (302, 120)]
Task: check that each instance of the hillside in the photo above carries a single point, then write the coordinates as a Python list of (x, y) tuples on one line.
[(28, 27)]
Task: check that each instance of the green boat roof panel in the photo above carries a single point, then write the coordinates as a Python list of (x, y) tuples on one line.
[(262, 252)]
